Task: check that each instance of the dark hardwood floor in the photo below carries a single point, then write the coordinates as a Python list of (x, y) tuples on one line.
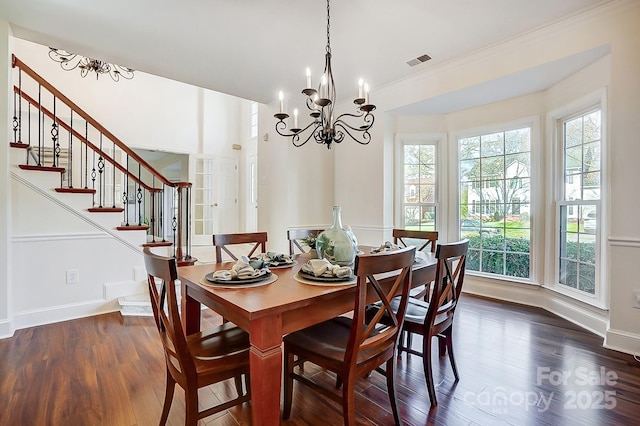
[(518, 366)]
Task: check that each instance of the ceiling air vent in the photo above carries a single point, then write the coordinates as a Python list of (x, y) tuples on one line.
[(418, 60)]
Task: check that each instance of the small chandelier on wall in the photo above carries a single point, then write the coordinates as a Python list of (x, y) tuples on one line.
[(70, 61), (325, 128)]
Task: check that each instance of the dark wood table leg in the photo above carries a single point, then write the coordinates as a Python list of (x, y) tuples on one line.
[(266, 370), (190, 312)]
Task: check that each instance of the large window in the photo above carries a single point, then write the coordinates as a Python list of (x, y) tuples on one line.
[(495, 201), (579, 205), (419, 187)]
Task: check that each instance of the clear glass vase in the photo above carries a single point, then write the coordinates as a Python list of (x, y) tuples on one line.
[(335, 244)]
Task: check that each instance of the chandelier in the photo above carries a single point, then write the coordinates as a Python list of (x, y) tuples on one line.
[(325, 128), (70, 61)]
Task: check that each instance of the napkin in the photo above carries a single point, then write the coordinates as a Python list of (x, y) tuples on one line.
[(387, 246), (240, 271), (324, 268), (275, 259)]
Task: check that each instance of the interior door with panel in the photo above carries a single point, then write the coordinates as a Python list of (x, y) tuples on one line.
[(214, 197)]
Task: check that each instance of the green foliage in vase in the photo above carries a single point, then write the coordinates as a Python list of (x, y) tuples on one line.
[(310, 241)]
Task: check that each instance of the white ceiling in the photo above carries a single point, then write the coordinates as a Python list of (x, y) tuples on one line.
[(254, 48)]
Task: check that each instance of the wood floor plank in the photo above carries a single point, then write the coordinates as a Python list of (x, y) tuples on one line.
[(109, 370)]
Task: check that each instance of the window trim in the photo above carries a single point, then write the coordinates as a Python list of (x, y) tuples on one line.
[(555, 118), (440, 142)]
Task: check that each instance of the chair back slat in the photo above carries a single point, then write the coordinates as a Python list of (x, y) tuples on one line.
[(448, 284), (220, 241), (429, 239), (295, 235), (371, 270)]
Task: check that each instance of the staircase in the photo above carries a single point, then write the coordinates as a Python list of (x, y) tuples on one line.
[(98, 176)]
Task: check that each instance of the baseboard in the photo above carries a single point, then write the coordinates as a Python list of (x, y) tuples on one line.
[(6, 330), (622, 341), (587, 317), (60, 313)]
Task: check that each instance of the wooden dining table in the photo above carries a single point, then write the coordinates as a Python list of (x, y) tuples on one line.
[(269, 312)]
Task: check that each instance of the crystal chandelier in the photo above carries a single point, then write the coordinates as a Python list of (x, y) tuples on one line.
[(325, 128), (70, 61)]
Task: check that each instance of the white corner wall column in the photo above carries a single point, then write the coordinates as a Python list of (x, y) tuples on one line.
[(6, 327), (624, 236)]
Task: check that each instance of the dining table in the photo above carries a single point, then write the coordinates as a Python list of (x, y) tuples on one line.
[(270, 310)]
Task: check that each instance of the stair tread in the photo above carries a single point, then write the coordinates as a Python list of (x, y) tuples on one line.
[(135, 300)]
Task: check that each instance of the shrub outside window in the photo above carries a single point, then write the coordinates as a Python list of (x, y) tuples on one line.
[(495, 201)]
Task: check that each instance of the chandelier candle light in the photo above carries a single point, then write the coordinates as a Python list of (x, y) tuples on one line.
[(70, 61), (324, 128)]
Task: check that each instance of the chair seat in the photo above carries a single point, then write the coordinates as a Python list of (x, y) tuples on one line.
[(225, 341), (327, 340), (416, 312)]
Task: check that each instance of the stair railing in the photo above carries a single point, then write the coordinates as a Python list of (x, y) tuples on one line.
[(90, 159)]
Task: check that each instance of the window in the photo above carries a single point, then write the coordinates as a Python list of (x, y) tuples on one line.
[(495, 201), (418, 207), (579, 205), (253, 120)]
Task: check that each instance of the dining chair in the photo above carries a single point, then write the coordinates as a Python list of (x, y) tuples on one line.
[(221, 241), (435, 317), (353, 347), (424, 239), (295, 235), (197, 360)]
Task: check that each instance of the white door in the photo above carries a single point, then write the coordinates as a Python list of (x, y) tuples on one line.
[(252, 201), (225, 211), (214, 197)]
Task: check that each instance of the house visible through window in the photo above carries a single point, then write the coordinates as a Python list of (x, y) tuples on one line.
[(495, 201), (419, 187)]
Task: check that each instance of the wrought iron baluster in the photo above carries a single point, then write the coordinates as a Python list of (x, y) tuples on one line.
[(101, 184), (40, 125), (20, 105), (86, 155), (125, 193), (29, 124), (152, 218), (93, 177), (162, 206), (15, 116), (54, 139), (113, 155), (139, 195), (70, 154)]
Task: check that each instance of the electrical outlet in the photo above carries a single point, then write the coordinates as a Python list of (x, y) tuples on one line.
[(636, 299), (72, 276)]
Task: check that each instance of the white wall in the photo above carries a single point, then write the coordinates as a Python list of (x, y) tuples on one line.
[(295, 185), (369, 210), (6, 327), (148, 111)]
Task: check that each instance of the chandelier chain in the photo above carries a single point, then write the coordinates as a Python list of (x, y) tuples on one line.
[(328, 29)]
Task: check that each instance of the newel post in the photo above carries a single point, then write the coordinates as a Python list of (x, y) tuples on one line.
[(183, 224)]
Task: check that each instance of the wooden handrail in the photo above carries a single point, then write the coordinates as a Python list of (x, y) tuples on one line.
[(79, 136), (15, 62), (182, 189)]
